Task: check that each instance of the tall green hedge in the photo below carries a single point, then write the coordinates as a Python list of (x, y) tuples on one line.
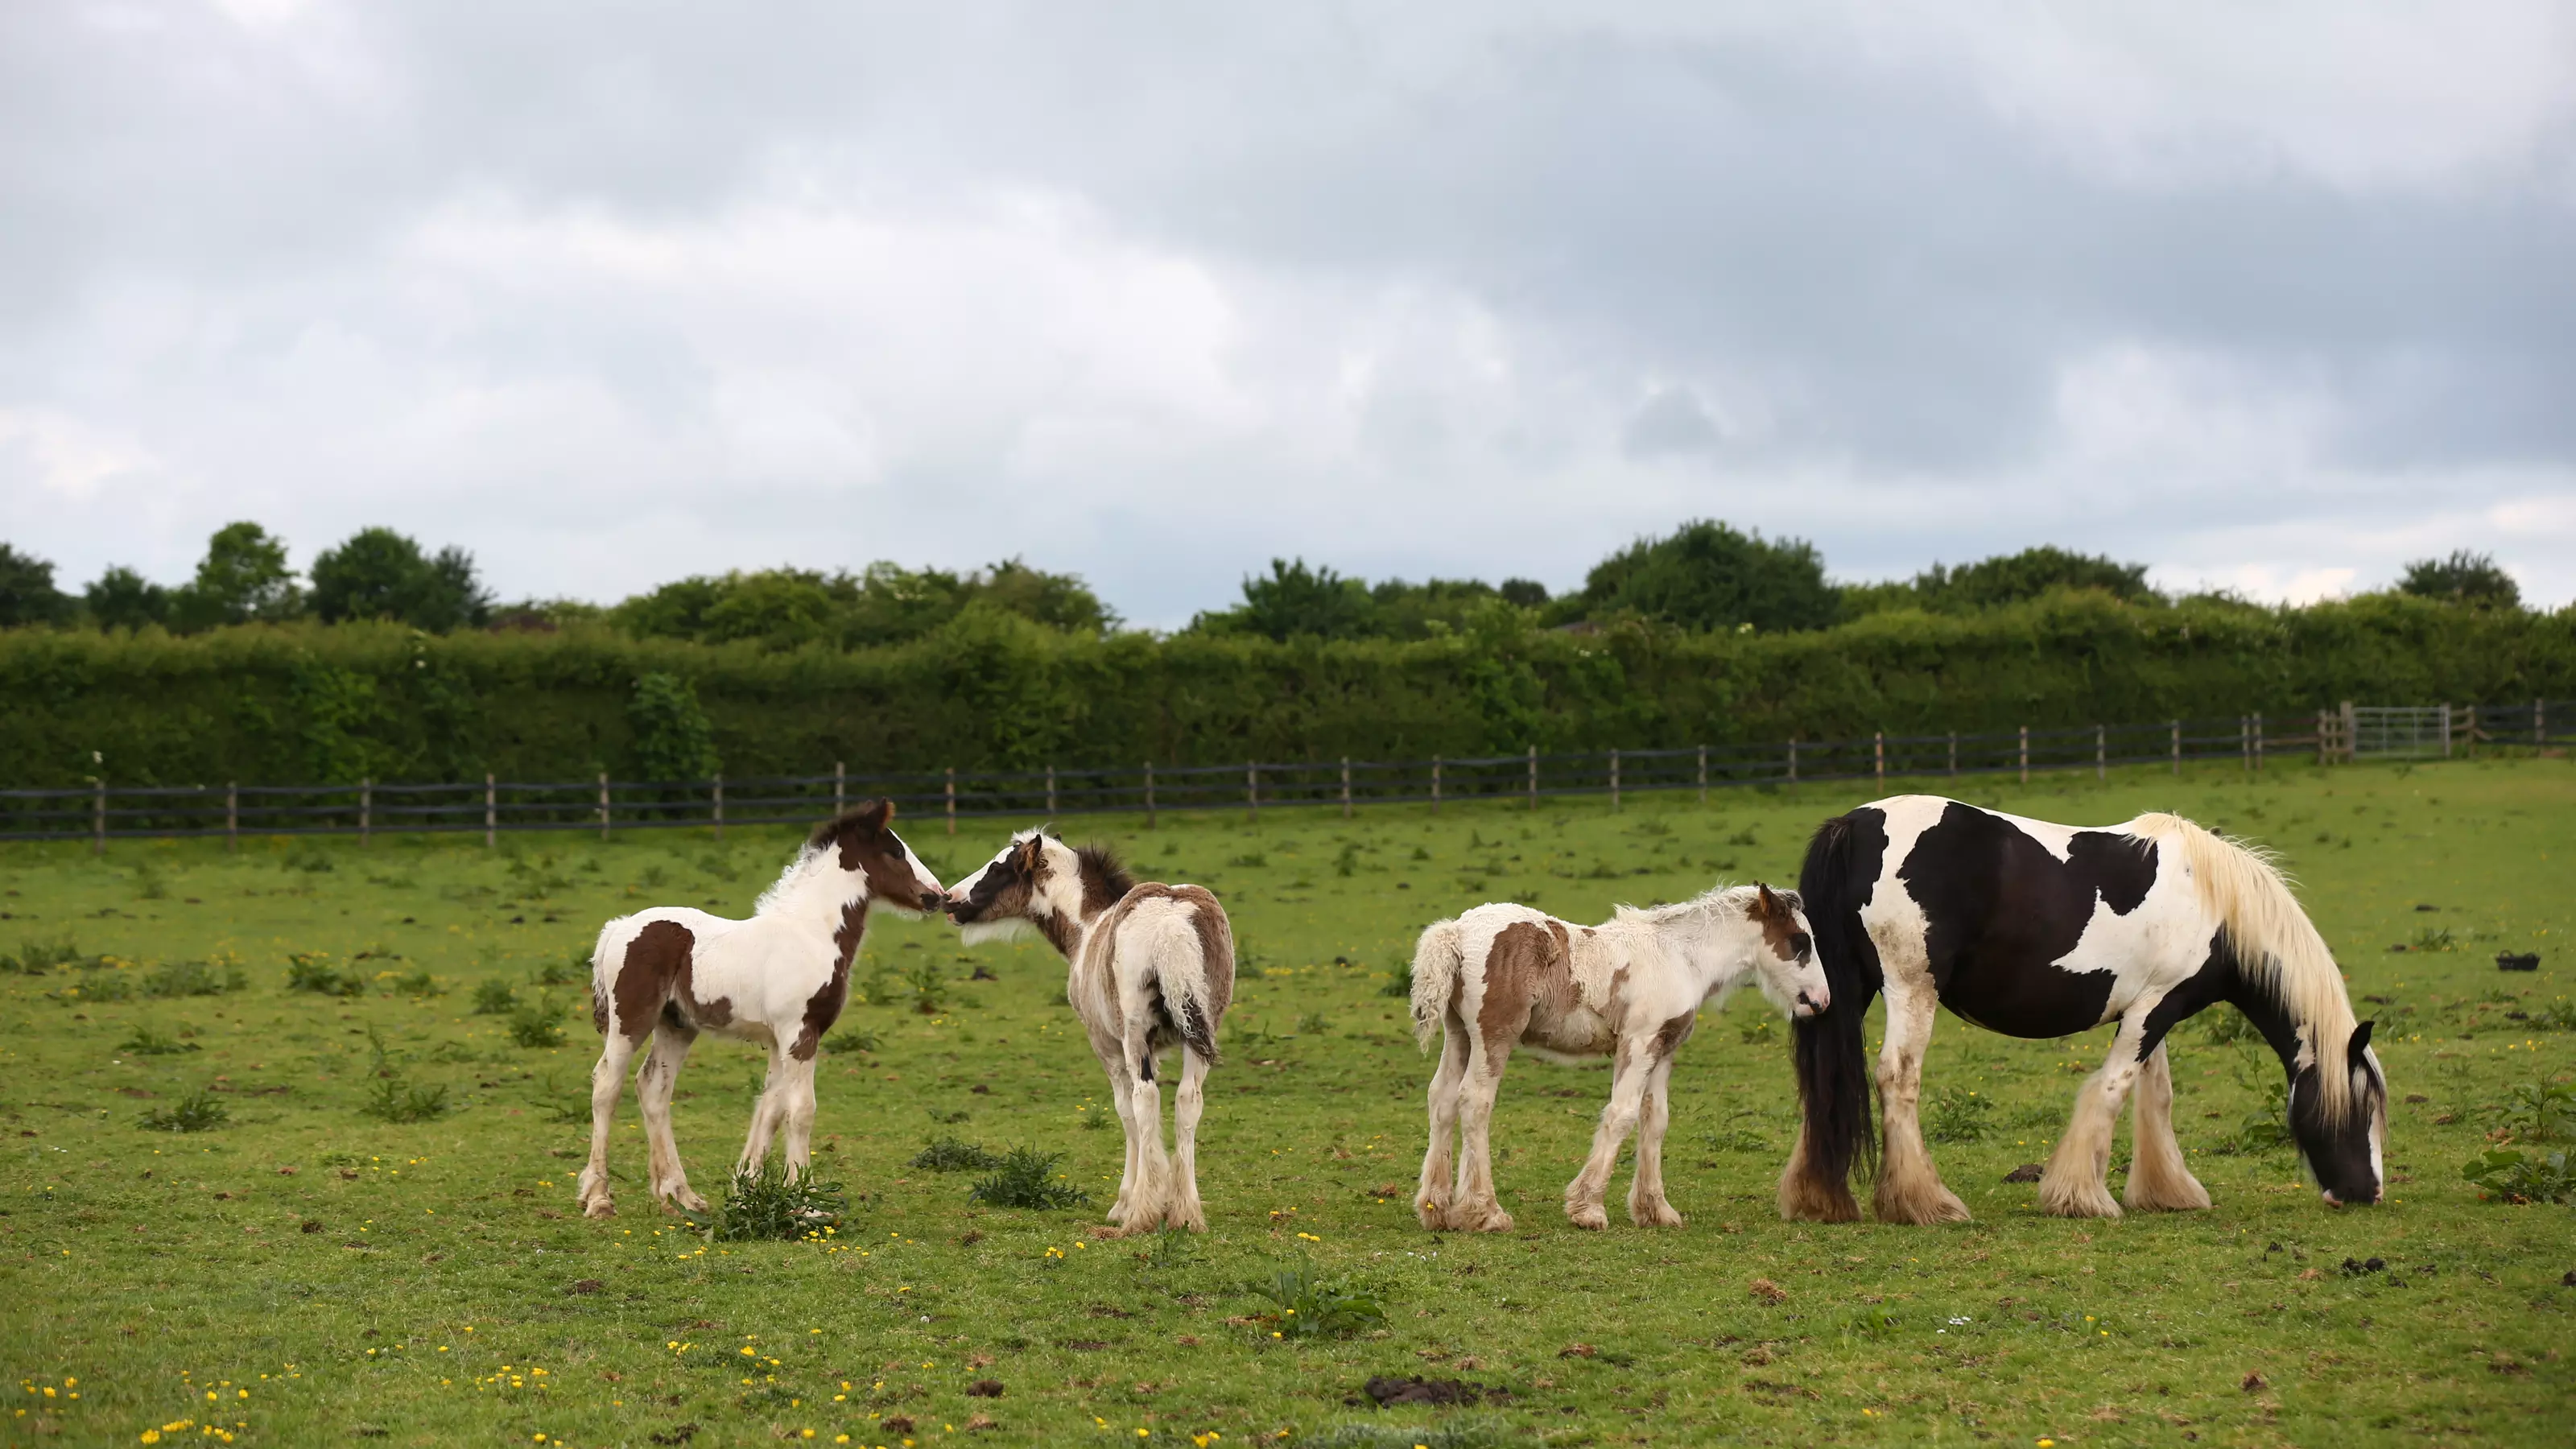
[(303, 703)]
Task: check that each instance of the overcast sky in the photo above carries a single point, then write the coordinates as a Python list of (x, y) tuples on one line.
[(2271, 296)]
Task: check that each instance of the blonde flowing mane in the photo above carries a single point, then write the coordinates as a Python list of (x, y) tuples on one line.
[(2274, 942)]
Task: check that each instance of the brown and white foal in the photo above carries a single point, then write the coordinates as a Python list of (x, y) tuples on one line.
[(1151, 967), (779, 979), (1631, 989)]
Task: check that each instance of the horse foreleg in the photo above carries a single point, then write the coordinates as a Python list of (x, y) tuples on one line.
[(2158, 1180), (768, 1112), (1618, 1118), (654, 1082), (607, 1084), (1183, 1209), (2074, 1184), (1431, 1195), (1646, 1205), (797, 1092), (1909, 1187)]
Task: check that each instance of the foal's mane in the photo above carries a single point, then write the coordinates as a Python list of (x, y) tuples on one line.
[(1100, 868), (1723, 900)]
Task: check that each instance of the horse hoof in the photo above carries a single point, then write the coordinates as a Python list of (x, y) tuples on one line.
[(599, 1208), (1431, 1213), (1589, 1219), (1494, 1221), (1661, 1215)]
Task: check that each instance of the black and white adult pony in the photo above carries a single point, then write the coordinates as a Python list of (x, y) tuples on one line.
[(779, 979), (2039, 930), (1149, 967)]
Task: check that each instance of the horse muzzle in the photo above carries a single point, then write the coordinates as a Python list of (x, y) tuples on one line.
[(1806, 1005)]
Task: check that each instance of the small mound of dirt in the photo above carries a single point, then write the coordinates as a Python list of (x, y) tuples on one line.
[(2027, 1172), (1383, 1391), (984, 1389)]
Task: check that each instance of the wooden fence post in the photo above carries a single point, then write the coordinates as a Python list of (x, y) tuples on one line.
[(1703, 774), (2176, 727), (1878, 758), (1614, 779), (98, 815), (366, 809), (1252, 790), (2351, 733), (2101, 755), (1149, 794), (2321, 738), (2245, 742), (840, 784), (232, 816), (1954, 754), (1435, 784), (1533, 777), (1050, 792), (1793, 760), (719, 804), (2258, 740), (603, 805), (2539, 736), (1346, 787), (2025, 754), (950, 790), (492, 814)]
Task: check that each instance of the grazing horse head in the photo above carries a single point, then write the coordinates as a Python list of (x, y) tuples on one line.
[(2343, 1151), (1037, 882), (868, 848), (1785, 964)]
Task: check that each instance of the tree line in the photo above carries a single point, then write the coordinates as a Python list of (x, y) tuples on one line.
[(1703, 577)]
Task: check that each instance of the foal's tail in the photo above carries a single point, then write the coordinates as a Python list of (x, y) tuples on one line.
[(1832, 1059), (1436, 959)]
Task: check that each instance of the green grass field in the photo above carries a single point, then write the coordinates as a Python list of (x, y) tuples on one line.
[(307, 1273)]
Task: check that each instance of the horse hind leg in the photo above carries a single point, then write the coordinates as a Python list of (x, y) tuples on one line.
[(654, 1082), (1910, 1189), (1647, 1207), (1431, 1196), (768, 1113), (1183, 1208), (1476, 1208), (607, 1084), (2158, 1179)]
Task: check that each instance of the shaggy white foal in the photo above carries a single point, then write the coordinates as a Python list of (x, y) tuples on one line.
[(778, 979), (1150, 966), (1505, 975)]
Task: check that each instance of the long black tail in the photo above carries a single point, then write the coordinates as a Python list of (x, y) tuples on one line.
[(1832, 1057)]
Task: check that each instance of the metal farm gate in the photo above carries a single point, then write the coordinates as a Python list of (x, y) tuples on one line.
[(2398, 731)]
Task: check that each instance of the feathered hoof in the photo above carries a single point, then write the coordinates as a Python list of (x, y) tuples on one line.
[(2187, 1196), (1920, 1207), (684, 1200), (1656, 1214), (1432, 1213), (2076, 1200), (598, 1207), (1188, 1217), (1587, 1216), (1488, 1219), (1802, 1201)]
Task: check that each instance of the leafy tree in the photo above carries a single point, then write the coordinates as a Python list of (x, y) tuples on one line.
[(2463, 578), (1297, 601), (243, 577), (2014, 577), (1059, 601), (120, 598), (886, 604), (1526, 593), (1706, 575), (380, 574), (673, 738), (27, 592)]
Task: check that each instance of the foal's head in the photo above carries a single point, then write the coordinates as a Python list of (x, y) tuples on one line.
[(864, 841), (1784, 961), (1037, 881)]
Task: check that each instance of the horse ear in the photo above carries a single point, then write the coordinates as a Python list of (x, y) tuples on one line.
[(1767, 903), (2360, 1043), (1029, 852), (875, 814)]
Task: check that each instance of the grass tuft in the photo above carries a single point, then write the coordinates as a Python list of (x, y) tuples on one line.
[(196, 1112), (145, 1042), (948, 1154), (772, 1203), (1316, 1305), (1026, 1178), (534, 1026), (312, 971), (494, 997)]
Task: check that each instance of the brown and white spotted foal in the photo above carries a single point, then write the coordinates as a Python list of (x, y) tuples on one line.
[(1151, 967), (779, 979), (1630, 989)]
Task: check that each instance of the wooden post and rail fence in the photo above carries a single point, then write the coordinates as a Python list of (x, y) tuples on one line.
[(2345, 734)]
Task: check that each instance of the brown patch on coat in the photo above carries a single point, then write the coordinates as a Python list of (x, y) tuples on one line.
[(1527, 967), (1670, 1036), (824, 1007), (1778, 920), (1104, 881), (845, 830), (656, 961)]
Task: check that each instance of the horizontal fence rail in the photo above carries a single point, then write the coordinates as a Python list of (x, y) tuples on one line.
[(2342, 735)]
